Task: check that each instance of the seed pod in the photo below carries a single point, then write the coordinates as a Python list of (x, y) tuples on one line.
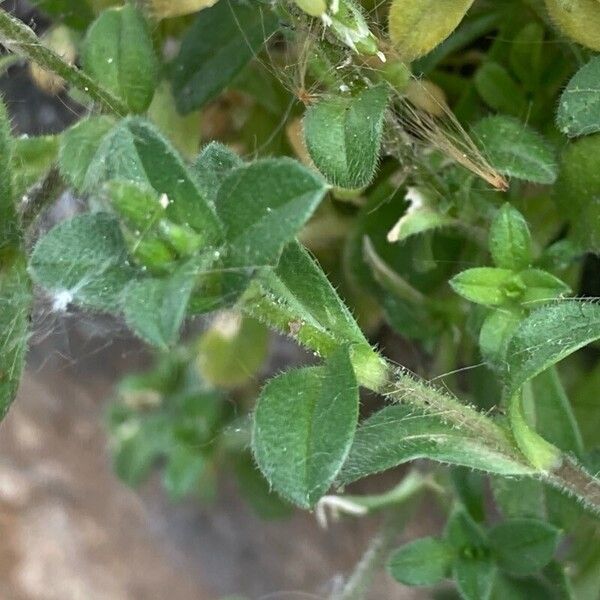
[(579, 19), (349, 25), (314, 8), (119, 54), (417, 26)]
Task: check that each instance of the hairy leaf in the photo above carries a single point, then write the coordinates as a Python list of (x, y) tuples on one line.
[(83, 260), (303, 428), (343, 136), (216, 47), (548, 335), (425, 561), (510, 239), (398, 434), (263, 205), (516, 150)]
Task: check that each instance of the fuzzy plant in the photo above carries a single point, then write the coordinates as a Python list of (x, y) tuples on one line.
[(329, 170)]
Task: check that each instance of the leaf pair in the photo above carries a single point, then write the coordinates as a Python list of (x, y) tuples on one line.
[(518, 547)]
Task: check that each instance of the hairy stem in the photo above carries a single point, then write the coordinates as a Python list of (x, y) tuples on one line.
[(21, 40)]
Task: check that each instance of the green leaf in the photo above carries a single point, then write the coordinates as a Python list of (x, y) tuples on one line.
[(526, 54), (79, 148), (551, 413), (83, 260), (155, 308), (135, 150), (499, 90), (32, 159), (495, 335), (212, 166), (215, 48), (579, 108), (10, 235), (523, 546), (474, 577), (184, 468), (263, 205), (473, 570), (423, 562), (232, 351), (548, 335), (578, 189), (516, 150), (483, 285), (118, 53), (303, 428), (15, 306), (78, 16), (510, 239), (298, 299), (343, 136), (398, 434), (541, 286)]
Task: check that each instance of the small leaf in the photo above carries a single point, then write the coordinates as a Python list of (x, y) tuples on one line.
[(398, 434), (523, 546), (232, 351), (343, 136), (263, 205), (83, 260), (474, 577), (79, 147), (212, 166), (423, 562), (541, 286), (418, 221), (118, 53), (15, 306), (548, 335), (526, 53), (184, 468), (483, 285), (578, 189), (552, 414), (303, 428), (510, 239), (155, 308), (516, 150), (579, 108), (579, 19), (495, 335), (418, 26), (499, 90), (215, 48)]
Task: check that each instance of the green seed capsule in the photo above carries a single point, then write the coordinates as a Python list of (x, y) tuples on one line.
[(349, 25), (183, 239), (579, 19), (417, 26), (314, 8), (119, 54)]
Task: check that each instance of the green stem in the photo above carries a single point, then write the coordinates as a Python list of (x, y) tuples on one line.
[(21, 40)]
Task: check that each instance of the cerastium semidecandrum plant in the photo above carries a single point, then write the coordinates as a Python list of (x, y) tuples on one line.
[(401, 189)]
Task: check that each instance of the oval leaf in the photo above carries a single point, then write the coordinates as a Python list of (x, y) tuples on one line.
[(343, 136), (579, 108), (422, 562), (547, 336), (303, 428), (516, 150)]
